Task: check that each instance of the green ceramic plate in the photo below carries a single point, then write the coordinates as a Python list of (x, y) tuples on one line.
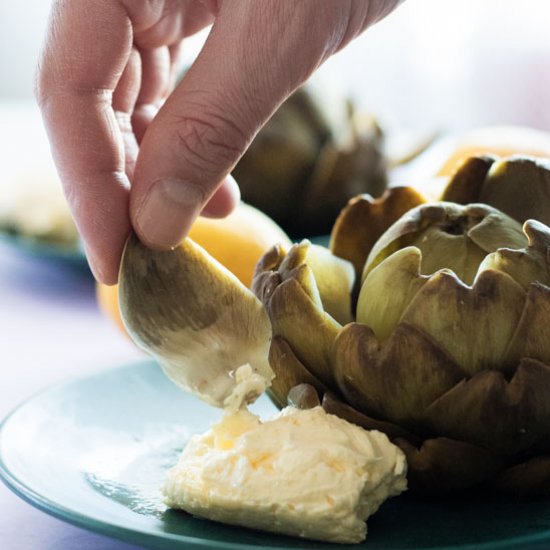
[(94, 452)]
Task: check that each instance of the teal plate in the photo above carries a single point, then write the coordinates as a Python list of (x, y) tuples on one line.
[(94, 452), (72, 256)]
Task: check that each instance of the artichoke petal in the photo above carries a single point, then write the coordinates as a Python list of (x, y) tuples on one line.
[(295, 301), (304, 276), (289, 372), (383, 380), (364, 219), (309, 330), (332, 405), (450, 236), (467, 182), (443, 465), (498, 231), (388, 290), (538, 234), (532, 336), (474, 325), (209, 333), (525, 264), (520, 187), (266, 278), (326, 279), (335, 278), (270, 261), (487, 410), (530, 478), (403, 232)]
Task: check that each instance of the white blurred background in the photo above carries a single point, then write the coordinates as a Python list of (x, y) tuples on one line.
[(446, 64)]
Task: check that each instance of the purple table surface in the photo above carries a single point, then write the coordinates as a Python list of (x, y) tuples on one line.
[(50, 330)]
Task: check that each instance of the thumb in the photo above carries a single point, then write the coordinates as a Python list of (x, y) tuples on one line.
[(255, 56)]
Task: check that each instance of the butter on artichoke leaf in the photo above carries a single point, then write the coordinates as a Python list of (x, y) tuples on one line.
[(303, 473)]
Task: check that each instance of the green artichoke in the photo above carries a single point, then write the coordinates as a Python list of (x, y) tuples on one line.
[(318, 151), (519, 186), (433, 326)]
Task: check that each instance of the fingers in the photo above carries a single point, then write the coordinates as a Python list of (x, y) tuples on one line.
[(123, 103), (154, 85), (225, 199), (255, 56), (81, 65)]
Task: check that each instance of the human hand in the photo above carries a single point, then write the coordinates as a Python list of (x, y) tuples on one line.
[(105, 88)]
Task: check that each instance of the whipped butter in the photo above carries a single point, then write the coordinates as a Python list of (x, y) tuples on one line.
[(304, 473)]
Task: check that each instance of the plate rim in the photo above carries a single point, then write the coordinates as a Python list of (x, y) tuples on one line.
[(152, 538), (44, 249)]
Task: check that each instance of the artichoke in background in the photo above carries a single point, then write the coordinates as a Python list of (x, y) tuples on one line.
[(309, 159), (430, 322), (519, 186)]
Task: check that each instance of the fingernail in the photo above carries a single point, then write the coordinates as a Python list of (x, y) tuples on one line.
[(168, 211)]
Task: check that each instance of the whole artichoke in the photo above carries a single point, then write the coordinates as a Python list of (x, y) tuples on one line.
[(309, 159), (435, 329)]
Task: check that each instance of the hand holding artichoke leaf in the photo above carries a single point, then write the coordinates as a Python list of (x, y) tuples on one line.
[(448, 350)]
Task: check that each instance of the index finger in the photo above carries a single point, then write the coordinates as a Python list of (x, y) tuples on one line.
[(84, 56)]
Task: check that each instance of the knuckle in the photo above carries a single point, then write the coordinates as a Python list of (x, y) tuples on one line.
[(211, 142)]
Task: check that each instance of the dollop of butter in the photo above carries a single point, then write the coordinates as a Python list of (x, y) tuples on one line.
[(304, 473)]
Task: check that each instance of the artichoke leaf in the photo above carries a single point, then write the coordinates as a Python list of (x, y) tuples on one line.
[(208, 332), (364, 219), (487, 410), (388, 290), (525, 265), (327, 279), (335, 406), (395, 381), (445, 465), (520, 187), (266, 278), (270, 261), (289, 372), (403, 233), (474, 325), (532, 336), (496, 231), (450, 236), (530, 478), (334, 278), (467, 182), (308, 330), (538, 235)]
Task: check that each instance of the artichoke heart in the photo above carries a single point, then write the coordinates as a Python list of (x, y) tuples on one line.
[(447, 346)]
